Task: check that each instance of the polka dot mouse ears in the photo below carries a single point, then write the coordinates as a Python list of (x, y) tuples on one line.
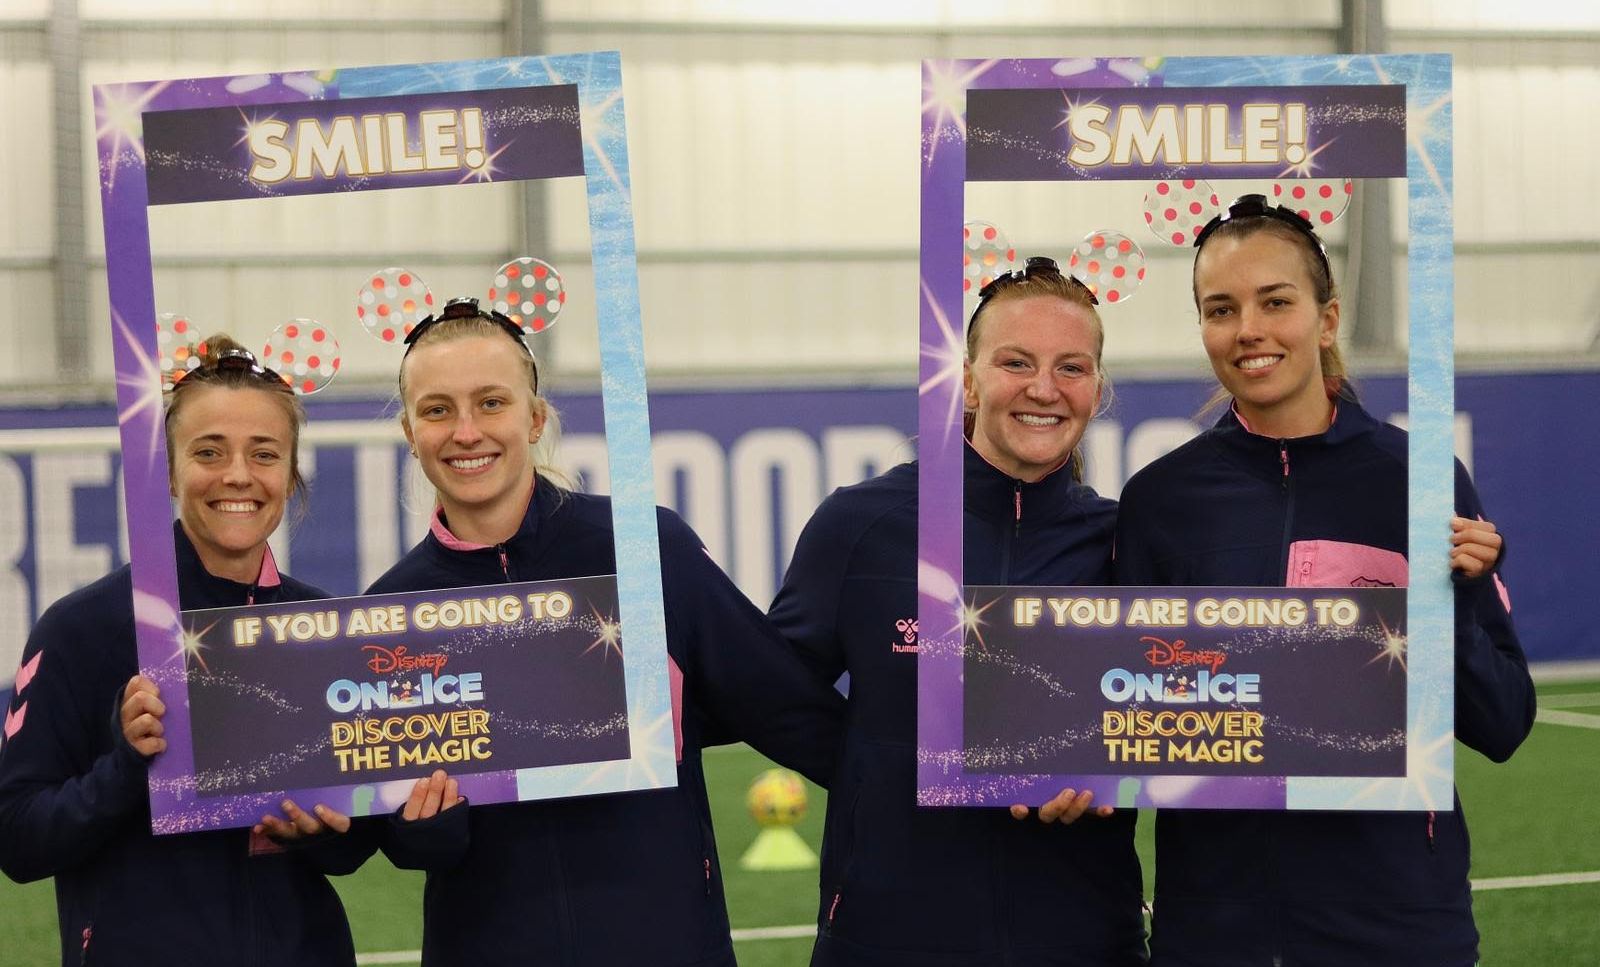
[(389, 304), (1178, 211), (1112, 265), (301, 352), (527, 290), (1108, 263)]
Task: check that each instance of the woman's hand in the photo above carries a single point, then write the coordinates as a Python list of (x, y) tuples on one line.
[(1474, 546), (297, 824), (141, 716), (431, 796), (1065, 808)]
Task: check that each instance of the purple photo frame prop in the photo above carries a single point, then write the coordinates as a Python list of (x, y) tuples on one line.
[(571, 107), (1387, 117)]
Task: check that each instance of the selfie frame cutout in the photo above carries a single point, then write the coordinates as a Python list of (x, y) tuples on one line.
[(120, 113), (1426, 79)]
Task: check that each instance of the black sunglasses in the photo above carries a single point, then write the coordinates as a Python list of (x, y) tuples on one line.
[(1037, 265), (1257, 206), (466, 307)]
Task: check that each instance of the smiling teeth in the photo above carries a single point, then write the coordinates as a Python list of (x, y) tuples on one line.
[(472, 464), (1029, 419), (1258, 362), (235, 506)]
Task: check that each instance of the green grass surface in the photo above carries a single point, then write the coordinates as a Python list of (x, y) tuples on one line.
[(1537, 814)]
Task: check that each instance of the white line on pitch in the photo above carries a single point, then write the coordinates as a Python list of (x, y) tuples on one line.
[(1570, 699), (1543, 879), (1551, 716), (390, 957), (776, 933)]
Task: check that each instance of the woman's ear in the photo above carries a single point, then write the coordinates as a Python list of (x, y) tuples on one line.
[(1330, 324)]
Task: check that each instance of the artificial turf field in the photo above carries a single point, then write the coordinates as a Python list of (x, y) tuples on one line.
[(1536, 815)]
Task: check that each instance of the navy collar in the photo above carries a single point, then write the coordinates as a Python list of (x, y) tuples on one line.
[(991, 492), (198, 588)]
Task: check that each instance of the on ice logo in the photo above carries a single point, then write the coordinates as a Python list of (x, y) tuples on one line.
[(908, 633)]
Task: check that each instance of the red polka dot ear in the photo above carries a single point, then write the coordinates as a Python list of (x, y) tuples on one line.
[(530, 292), (1110, 263), (1320, 201), (177, 346), (304, 353), (985, 254), (391, 302), (1177, 210)]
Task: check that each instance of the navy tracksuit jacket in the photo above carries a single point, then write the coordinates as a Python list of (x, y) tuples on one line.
[(623, 879), (74, 805), (912, 887), (1316, 889)]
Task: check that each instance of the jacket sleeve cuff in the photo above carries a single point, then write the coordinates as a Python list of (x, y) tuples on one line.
[(438, 842)]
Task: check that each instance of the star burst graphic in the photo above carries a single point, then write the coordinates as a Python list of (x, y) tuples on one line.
[(190, 645), (946, 99), (609, 639), (1393, 647), (969, 621), (119, 122), (142, 399), (949, 356)]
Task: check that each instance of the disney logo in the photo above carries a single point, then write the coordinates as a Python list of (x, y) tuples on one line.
[(1162, 654), (383, 661)]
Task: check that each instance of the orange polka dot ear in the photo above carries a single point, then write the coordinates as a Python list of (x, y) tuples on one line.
[(303, 352), (1109, 264), (529, 292), (391, 302), (178, 347)]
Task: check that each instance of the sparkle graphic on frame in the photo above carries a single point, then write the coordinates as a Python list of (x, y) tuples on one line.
[(119, 122), (947, 101), (609, 639), (969, 621), (191, 643), (950, 356), (1393, 647), (145, 384)]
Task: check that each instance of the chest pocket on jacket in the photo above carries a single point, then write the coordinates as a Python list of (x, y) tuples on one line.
[(1337, 564)]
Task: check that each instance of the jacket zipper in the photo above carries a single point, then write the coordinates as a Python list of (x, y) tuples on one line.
[(1287, 490), (505, 561), (88, 935), (1016, 504), (1432, 843)]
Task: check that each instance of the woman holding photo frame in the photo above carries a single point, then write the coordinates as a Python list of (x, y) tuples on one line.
[(606, 880), (84, 724), (1297, 485), (914, 887)]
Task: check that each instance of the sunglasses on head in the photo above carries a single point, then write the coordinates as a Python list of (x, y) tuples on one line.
[(466, 307), (1036, 266), (1257, 206)]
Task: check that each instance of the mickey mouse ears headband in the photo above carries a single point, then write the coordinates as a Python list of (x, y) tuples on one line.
[(524, 296)]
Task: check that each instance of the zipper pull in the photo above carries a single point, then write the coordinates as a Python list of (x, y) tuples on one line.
[(833, 908), (707, 861), (505, 561), (1016, 503), (1283, 458), (1432, 847)]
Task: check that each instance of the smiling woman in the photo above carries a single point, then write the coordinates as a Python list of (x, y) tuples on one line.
[(904, 885), (84, 725), (232, 457), (1296, 485)]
